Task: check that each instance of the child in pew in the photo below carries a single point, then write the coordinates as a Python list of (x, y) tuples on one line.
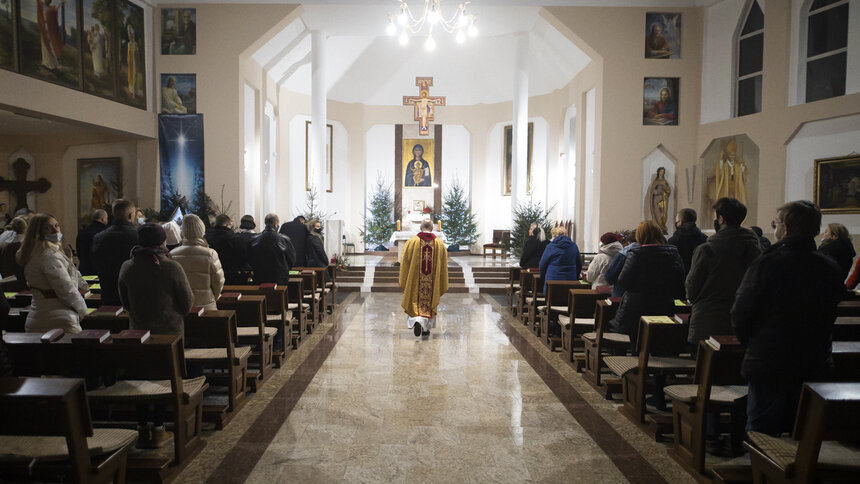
[(156, 294)]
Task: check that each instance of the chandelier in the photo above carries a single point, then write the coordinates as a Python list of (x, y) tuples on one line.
[(460, 24)]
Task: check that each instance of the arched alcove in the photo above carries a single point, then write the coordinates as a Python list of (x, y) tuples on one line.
[(659, 157)]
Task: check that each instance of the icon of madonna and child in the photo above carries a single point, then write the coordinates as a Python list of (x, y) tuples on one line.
[(418, 172)]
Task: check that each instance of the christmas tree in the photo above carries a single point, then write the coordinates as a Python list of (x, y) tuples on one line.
[(458, 221), (312, 209), (379, 225), (525, 214)]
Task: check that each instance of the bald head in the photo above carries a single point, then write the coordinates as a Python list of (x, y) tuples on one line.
[(100, 216)]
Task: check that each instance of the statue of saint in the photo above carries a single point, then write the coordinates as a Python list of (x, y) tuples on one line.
[(657, 199), (731, 173)]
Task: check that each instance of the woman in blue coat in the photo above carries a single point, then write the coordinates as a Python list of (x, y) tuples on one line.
[(561, 260)]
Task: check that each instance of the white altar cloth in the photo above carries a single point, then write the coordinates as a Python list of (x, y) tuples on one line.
[(404, 235)]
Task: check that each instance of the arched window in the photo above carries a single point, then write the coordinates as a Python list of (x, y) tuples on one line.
[(826, 49), (750, 48)]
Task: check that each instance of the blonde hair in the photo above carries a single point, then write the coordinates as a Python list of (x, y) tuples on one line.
[(34, 241), (19, 225), (556, 231), (193, 228), (838, 231)]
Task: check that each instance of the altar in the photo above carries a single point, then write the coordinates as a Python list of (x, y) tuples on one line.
[(401, 236)]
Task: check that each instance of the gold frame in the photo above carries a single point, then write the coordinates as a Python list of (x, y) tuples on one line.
[(508, 133), (328, 157), (848, 162)]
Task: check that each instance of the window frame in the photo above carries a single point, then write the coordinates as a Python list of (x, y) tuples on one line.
[(738, 37), (804, 49)]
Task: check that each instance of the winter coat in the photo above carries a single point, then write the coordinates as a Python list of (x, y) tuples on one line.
[(560, 261), (316, 256), (784, 312), (232, 249), (597, 269), (9, 266), (271, 255), (203, 270), (653, 276), (842, 251), (156, 296), (56, 284), (718, 267), (532, 252), (686, 238), (614, 270), (84, 246), (5, 365), (111, 247), (298, 233)]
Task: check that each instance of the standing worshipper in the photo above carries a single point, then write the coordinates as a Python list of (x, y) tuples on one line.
[(84, 241), (533, 250), (614, 270), (316, 256), (298, 232), (836, 244), (271, 254), (231, 249), (783, 314), (561, 260), (423, 278), (8, 251), (201, 264), (687, 236), (609, 248), (762, 240), (112, 247)]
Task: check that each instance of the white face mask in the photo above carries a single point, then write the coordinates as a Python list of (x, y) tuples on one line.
[(55, 238), (141, 221)]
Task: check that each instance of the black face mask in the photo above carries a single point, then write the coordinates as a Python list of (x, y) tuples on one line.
[(317, 230), (716, 225)]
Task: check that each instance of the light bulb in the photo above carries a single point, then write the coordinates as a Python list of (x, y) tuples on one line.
[(433, 16), (430, 44), (461, 37), (404, 38), (473, 31), (390, 29), (402, 18)]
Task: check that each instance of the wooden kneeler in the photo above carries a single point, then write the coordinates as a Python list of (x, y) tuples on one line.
[(251, 330), (580, 319), (599, 344), (278, 317), (301, 310)]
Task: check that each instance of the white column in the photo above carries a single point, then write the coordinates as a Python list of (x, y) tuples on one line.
[(519, 170), (318, 117)]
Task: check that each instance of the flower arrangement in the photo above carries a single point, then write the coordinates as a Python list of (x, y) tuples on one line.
[(625, 236), (428, 210), (341, 262)]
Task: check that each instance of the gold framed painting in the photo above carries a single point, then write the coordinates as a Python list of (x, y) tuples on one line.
[(329, 172), (837, 184), (418, 159), (508, 162)]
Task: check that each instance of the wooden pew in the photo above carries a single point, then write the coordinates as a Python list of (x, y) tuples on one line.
[(579, 319), (829, 413), (601, 343), (251, 330), (331, 286), (513, 288), (302, 310), (846, 361), (46, 434), (147, 373), (717, 387), (310, 295), (278, 317), (556, 305), (848, 308), (847, 328), (534, 297)]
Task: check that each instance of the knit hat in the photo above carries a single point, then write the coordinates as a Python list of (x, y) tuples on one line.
[(172, 233), (192, 227), (608, 238), (151, 235)]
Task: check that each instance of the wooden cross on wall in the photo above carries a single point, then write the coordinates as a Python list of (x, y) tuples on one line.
[(20, 186), (424, 104)]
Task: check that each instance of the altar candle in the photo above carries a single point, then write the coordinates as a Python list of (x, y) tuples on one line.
[(440, 225), (398, 225)]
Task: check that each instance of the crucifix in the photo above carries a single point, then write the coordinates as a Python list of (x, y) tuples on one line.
[(424, 104), (20, 186)]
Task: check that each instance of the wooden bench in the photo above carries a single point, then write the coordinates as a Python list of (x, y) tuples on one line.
[(310, 296), (717, 387), (848, 308), (331, 286), (846, 328), (251, 330), (533, 297), (846, 361), (828, 416), (46, 434), (302, 324), (600, 343), (556, 304), (277, 315), (513, 288), (578, 320), (147, 373)]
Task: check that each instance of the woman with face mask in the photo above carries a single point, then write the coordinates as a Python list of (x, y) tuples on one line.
[(315, 250), (54, 279)]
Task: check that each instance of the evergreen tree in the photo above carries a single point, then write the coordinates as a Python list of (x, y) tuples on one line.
[(312, 209), (458, 221), (379, 224), (525, 214)]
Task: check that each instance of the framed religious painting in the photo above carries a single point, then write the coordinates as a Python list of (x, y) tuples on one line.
[(418, 159), (507, 165), (178, 31), (660, 101), (328, 176), (7, 34), (837, 184), (662, 35), (49, 43), (99, 70), (132, 54), (179, 93), (99, 185)]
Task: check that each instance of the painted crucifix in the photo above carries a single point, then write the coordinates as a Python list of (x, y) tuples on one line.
[(20, 186), (424, 104)]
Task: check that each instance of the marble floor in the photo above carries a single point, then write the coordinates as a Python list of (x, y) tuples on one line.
[(479, 400)]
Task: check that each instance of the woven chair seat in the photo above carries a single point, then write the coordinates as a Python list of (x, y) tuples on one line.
[(254, 331), (670, 363), (559, 309), (582, 324), (240, 352), (719, 394), (608, 336), (147, 389), (620, 365), (26, 448), (530, 300), (834, 456), (296, 306)]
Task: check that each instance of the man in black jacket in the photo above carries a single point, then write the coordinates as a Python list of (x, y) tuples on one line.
[(687, 236), (84, 241), (271, 254), (112, 247), (298, 233), (232, 250), (783, 313)]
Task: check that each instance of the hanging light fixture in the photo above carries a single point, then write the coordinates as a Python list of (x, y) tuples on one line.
[(459, 24)]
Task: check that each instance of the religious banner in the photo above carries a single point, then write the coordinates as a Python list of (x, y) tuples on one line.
[(418, 155), (180, 149), (837, 184), (508, 162), (7, 34), (132, 55), (660, 101), (99, 185), (49, 41), (99, 70), (662, 35)]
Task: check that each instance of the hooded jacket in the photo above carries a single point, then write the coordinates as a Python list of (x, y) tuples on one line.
[(842, 251), (686, 238), (560, 261), (596, 273), (716, 272)]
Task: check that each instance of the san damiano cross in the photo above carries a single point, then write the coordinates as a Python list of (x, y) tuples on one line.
[(424, 104)]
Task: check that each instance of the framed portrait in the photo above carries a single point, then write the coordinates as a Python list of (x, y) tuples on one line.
[(660, 101), (99, 185), (662, 35), (837, 184), (179, 93), (178, 31), (418, 205), (99, 71), (418, 158), (49, 41), (329, 172), (180, 149), (7, 34), (508, 162), (132, 55)]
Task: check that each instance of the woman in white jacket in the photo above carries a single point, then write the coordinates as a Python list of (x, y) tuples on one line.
[(200, 263), (54, 279), (609, 248)]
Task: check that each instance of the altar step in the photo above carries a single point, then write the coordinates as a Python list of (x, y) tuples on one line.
[(490, 280)]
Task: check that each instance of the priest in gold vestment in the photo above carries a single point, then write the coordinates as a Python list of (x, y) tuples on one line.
[(423, 278)]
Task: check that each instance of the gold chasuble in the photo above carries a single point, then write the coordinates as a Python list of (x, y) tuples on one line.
[(423, 274)]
